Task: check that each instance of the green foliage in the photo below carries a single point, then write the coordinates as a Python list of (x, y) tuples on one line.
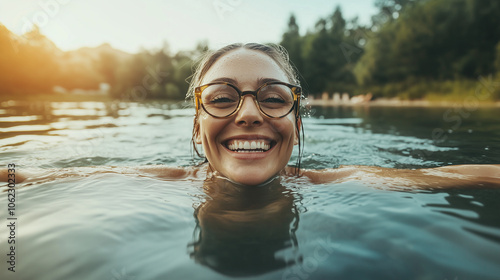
[(325, 56), (413, 49), (435, 40), (173, 92), (156, 75), (292, 42), (497, 58)]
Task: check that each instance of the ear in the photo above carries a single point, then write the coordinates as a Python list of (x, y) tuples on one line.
[(297, 131)]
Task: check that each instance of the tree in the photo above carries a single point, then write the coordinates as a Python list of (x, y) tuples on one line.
[(292, 42), (28, 63), (497, 59), (328, 67), (433, 40), (390, 10)]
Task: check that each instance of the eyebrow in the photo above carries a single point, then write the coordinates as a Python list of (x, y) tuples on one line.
[(260, 81)]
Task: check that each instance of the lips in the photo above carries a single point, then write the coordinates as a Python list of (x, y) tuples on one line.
[(249, 145)]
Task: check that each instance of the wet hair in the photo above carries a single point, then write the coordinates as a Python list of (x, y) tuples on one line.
[(277, 53)]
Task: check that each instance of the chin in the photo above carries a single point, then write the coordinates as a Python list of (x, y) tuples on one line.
[(250, 179)]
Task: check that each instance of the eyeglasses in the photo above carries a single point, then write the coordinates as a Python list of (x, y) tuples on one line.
[(274, 99)]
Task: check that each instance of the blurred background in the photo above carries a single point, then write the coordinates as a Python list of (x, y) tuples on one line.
[(133, 51), (103, 83)]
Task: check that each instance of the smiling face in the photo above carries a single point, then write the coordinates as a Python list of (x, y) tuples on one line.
[(247, 147)]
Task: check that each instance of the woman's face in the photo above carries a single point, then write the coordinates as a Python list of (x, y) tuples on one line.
[(247, 70)]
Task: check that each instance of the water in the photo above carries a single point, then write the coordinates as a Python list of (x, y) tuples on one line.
[(114, 226)]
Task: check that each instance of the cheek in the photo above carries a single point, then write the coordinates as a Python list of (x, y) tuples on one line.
[(285, 127), (209, 128)]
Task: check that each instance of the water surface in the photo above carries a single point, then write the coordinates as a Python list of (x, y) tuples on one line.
[(114, 226)]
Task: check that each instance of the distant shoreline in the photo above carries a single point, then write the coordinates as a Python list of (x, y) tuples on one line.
[(382, 102), (379, 102)]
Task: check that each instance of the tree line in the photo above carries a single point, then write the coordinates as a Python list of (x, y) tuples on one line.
[(411, 49)]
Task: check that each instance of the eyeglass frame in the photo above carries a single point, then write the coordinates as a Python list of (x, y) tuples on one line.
[(296, 91)]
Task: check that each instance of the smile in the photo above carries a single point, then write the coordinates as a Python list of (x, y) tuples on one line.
[(248, 146)]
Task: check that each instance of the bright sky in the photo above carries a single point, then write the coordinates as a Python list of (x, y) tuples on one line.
[(130, 25)]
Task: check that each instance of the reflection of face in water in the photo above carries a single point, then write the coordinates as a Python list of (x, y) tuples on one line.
[(245, 230)]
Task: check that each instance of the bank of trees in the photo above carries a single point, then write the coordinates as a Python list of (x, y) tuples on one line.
[(411, 49), (26, 67), (32, 64), (148, 74)]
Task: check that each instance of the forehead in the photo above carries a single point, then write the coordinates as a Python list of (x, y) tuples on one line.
[(245, 67)]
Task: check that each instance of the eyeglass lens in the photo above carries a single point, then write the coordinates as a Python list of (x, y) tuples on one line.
[(221, 100)]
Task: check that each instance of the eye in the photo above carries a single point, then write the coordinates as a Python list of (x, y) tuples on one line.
[(221, 99), (273, 99), (220, 96)]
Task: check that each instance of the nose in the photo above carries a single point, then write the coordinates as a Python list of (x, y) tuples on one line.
[(249, 113)]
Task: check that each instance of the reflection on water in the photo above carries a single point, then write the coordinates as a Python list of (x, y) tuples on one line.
[(76, 133), (477, 206), (240, 230), (65, 134), (106, 225), (407, 137)]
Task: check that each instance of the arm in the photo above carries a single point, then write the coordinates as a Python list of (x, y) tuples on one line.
[(477, 170), (39, 174), (439, 177)]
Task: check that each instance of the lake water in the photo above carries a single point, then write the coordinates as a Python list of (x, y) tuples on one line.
[(113, 226)]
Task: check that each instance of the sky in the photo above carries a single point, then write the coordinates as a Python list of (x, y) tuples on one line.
[(132, 25)]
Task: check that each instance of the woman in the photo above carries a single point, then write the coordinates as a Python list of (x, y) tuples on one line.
[(248, 121)]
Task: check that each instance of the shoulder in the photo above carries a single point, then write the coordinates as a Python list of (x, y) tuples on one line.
[(168, 172), (327, 175)]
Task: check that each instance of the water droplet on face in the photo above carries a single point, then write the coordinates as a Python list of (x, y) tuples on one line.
[(470, 130), (487, 149)]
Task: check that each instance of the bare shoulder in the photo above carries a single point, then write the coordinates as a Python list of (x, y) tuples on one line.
[(342, 173), (487, 175), (169, 172)]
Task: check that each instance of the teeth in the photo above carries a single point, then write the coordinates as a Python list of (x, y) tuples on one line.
[(249, 146)]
